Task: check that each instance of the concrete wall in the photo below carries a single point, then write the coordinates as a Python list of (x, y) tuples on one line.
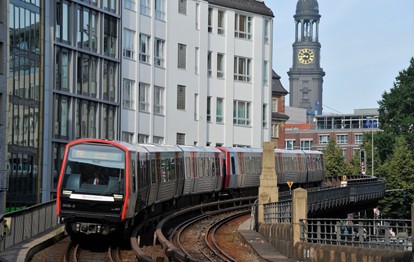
[(331, 253), (281, 237)]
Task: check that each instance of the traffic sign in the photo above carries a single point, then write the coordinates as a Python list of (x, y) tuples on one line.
[(290, 183)]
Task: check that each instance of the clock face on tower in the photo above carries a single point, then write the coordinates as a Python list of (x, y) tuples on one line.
[(305, 56)]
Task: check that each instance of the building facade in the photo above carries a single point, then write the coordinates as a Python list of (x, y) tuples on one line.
[(306, 74), (347, 129), (174, 72), (197, 72), (3, 95), (279, 117)]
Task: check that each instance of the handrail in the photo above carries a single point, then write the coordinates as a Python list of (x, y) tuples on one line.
[(24, 224)]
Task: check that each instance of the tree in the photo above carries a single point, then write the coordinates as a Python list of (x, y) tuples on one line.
[(396, 107), (399, 182), (334, 160)]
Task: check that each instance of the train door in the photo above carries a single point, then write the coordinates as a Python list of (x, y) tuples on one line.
[(154, 178), (179, 174), (143, 180), (233, 170), (133, 183)]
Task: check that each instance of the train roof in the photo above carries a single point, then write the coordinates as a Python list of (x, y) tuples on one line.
[(241, 149), (199, 149), (161, 148), (289, 151)]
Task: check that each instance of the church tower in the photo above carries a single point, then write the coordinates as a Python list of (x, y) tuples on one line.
[(306, 74)]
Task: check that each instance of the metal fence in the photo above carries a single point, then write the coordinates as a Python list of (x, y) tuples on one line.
[(27, 223), (278, 212), (365, 233)]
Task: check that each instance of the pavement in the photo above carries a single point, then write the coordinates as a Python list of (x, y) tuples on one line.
[(262, 247), (23, 251)]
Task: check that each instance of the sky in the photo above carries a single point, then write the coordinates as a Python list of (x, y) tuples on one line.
[(365, 44)]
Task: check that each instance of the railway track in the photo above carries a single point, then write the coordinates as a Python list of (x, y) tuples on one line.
[(188, 235)]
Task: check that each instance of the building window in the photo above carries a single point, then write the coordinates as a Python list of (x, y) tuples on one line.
[(86, 75), (160, 10), (129, 4), (145, 7), (358, 138), (87, 29), (128, 94), (128, 43), (306, 144), (266, 30), (110, 35), (180, 139), (181, 97), (85, 119), (158, 140), (109, 80), (61, 117), (209, 109), (275, 131), (220, 65), (274, 105), (209, 70), (182, 7), (210, 20), (197, 59), (196, 113), (341, 139), (110, 5), (264, 115), (61, 68), (144, 42), (159, 46), (344, 152), (182, 56), (219, 111), (158, 100), (142, 139), (197, 16), (143, 97), (290, 144), (242, 26), (323, 139), (241, 113), (62, 22), (242, 69), (265, 73), (220, 22), (127, 137)]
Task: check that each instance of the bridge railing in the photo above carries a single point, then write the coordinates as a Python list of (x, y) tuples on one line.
[(26, 223), (364, 233), (278, 212)]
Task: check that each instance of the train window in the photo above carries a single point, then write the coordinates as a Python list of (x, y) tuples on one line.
[(153, 172), (233, 166), (133, 175), (187, 168)]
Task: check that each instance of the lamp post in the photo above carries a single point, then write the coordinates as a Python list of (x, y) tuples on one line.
[(372, 119)]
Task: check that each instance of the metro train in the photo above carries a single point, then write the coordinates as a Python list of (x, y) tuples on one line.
[(107, 186)]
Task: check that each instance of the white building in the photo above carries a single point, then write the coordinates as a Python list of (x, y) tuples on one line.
[(196, 72)]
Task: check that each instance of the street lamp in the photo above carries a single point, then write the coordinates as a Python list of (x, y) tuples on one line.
[(372, 119)]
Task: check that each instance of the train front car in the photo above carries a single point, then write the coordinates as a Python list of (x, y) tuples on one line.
[(91, 197)]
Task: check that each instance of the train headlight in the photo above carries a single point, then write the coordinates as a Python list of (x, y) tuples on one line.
[(66, 192), (118, 197)]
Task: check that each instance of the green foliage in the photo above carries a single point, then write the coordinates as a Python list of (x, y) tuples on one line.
[(355, 165), (397, 107), (334, 160), (394, 147), (399, 182)]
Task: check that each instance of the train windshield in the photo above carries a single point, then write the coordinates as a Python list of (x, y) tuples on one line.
[(95, 169)]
